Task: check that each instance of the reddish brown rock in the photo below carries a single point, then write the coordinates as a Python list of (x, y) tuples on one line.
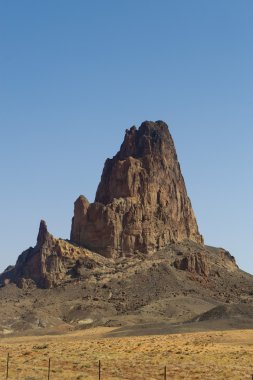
[(141, 202), (41, 264), (194, 263)]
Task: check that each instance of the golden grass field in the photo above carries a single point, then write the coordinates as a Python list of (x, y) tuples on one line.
[(207, 355)]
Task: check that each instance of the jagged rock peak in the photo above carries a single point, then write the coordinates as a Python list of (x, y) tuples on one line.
[(48, 263), (43, 233), (145, 140), (151, 142), (141, 202)]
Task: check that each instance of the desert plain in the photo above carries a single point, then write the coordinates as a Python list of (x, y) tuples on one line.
[(75, 355)]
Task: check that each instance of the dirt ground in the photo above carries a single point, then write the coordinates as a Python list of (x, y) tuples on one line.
[(197, 355)]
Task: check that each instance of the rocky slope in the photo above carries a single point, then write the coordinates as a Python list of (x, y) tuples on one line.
[(145, 291)]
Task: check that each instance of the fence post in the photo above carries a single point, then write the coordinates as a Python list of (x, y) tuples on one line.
[(49, 369), (99, 370), (165, 373), (7, 366)]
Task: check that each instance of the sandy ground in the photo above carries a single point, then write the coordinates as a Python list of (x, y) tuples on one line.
[(201, 355)]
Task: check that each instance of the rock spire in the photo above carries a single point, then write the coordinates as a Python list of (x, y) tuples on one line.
[(141, 202)]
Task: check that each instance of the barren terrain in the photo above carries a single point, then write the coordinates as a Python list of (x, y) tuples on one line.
[(135, 291)]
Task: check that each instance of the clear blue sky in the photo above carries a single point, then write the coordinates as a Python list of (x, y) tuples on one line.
[(75, 74)]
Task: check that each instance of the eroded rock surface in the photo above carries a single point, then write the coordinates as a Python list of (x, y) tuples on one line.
[(141, 202)]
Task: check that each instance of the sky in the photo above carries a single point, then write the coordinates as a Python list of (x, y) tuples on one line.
[(75, 74)]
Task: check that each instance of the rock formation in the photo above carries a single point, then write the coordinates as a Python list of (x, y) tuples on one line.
[(49, 262), (106, 275), (141, 202), (141, 207)]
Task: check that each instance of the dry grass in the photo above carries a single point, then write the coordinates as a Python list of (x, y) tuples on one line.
[(210, 355)]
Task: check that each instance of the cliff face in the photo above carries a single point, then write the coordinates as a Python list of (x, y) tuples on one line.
[(141, 202)]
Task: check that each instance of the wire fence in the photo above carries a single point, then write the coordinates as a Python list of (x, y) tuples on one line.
[(47, 369), (50, 370)]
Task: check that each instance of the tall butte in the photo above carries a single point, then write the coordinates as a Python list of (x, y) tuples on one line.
[(141, 202)]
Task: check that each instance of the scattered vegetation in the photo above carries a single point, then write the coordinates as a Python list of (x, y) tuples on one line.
[(209, 355)]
